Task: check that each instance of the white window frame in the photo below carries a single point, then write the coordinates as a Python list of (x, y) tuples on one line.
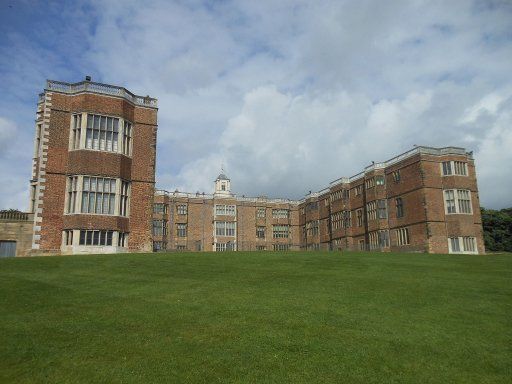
[(224, 210), (280, 231), (225, 228), (78, 134), (181, 230), (159, 227), (402, 236), (456, 201), (71, 238), (223, 247), (455, 167), (75, 190), (181, 209), (466, 245), (280, 213)]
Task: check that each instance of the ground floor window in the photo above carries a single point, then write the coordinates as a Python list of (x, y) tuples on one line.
[(281, 247), (159, 246), (94, 237), (402, 236), (384, 238), (7, 248), (261, 248), (122, 240), (68, 237), (220, 247), (337, 244), (464, 244)]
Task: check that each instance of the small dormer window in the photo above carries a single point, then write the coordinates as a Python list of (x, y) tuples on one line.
[(223, 187)]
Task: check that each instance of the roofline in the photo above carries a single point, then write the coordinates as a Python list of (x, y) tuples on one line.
[(100, 88), (422, 150)]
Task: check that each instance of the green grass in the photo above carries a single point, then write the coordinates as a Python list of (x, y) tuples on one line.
[(256, 318)]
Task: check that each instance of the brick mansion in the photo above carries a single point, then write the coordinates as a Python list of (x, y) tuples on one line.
[(93, 191)]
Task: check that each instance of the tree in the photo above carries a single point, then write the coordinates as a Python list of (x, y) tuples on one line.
[(497, 229)]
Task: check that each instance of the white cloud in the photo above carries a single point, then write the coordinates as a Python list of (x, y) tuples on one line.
[(288, 144), (489, 104)]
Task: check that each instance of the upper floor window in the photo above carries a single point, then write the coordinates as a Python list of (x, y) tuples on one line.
[(379, 180), (102, 133), (359, 215), (371, 210), (280, 231), (336, 220), (97, 195), (127, 138), (228, 210), (396, 176), (260, 212), (76, 128), (459, 168), (358, 190), (335, 195), (369, 183), (280, 213), (225, 228), (347, 219), (182, 209), (159, 208), (159, 227), (312, 228), (383, 209), (260, 232), (181, 230), (399, 207), (457, 201)]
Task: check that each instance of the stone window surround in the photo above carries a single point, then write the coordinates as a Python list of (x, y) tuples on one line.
[(462, 245), (456, 202), (453, 168), (75, 243), (83, 135), (78, 204)]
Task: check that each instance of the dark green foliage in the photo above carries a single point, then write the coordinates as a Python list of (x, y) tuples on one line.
[(256, 318), (497, 229)]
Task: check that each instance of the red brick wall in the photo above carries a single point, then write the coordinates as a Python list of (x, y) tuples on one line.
[(140, 169)]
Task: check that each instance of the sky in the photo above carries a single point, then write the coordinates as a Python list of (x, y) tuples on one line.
[(286, 95)]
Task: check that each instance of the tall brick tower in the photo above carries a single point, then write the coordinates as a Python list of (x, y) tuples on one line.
[(94, 155)]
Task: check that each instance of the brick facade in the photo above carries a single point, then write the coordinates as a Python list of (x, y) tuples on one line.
[(425, 200), (56, 159), (200, 222), (416, 179), (356, 213)]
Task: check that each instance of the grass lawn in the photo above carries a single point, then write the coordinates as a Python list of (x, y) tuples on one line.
[(256, 318)]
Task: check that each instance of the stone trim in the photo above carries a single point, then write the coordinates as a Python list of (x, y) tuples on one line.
[(40, 162)]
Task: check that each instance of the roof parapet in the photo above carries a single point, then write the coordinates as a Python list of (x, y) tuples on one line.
[(342, 180), (100, 88)]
